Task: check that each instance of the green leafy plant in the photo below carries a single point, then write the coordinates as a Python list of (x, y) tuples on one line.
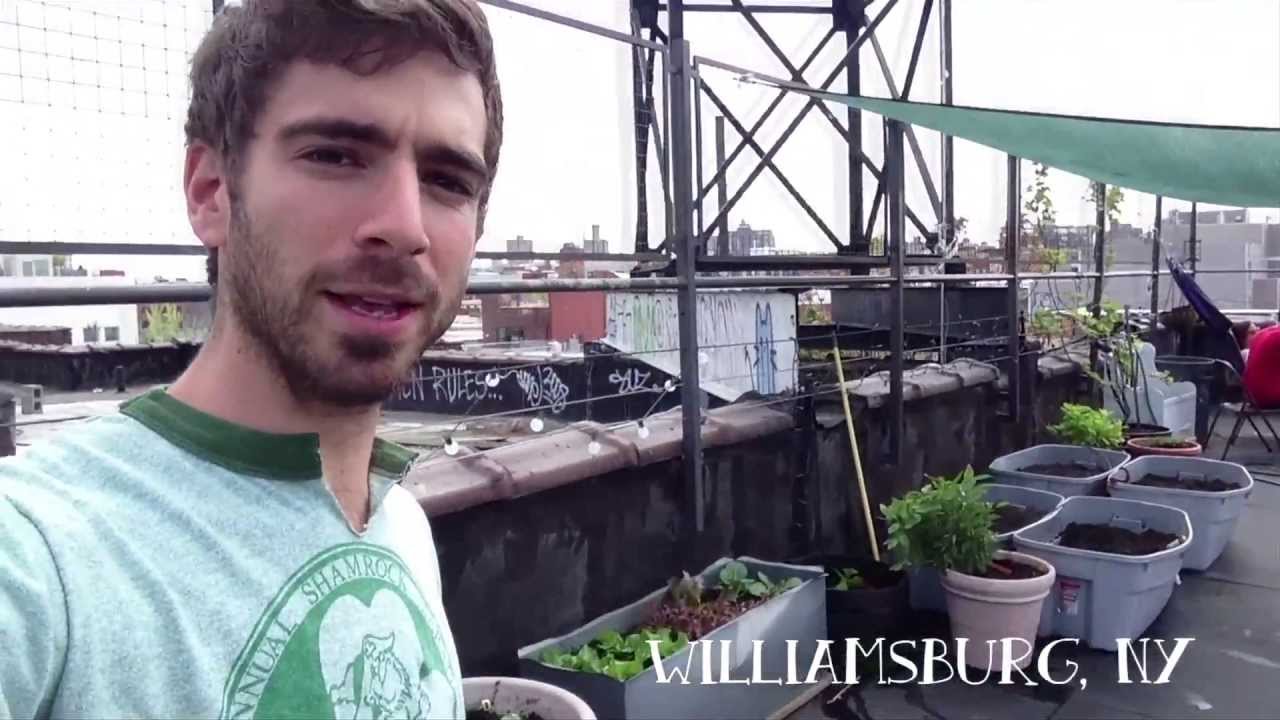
[(619, 656), (946, 525), (848, 579), (736, 583), (1089, 427)]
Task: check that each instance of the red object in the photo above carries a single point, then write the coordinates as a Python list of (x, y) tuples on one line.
[(1262, 369), (578, 313)]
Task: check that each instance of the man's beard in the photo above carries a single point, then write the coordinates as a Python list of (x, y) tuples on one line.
[(356, 371)]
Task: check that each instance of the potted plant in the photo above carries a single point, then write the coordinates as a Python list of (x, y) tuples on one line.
[(865, 599), (1163, 445), (514, 698), (1091, 438), (739, 600), (992, 594)]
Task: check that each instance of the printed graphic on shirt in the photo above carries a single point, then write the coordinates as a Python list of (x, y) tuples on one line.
[(348, 637)]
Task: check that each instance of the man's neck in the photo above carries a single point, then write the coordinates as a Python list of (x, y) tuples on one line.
[(230, 380)]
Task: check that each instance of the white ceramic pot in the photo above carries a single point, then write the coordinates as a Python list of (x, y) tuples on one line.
[(984, 610), (514, 694)]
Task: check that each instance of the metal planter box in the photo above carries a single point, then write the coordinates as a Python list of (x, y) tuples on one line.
[(926, 583), (1102, 597), (797, 615), (1213, 514), (1008, 468)]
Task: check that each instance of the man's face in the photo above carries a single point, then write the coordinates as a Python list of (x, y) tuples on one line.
[(354, 223)]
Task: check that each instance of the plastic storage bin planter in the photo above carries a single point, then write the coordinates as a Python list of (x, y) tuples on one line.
[(1213, 514), (1102, 597), (1009, 468), (798, 615), (520, 695), (926, 583)]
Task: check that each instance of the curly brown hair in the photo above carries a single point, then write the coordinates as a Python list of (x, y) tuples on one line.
[(249, 45)]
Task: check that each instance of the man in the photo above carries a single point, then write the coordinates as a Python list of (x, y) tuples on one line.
[(238, 545)]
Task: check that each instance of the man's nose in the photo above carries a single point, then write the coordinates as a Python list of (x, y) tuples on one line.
[(395, 215)]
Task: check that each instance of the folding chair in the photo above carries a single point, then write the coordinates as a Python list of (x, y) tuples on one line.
[(1223, 349)]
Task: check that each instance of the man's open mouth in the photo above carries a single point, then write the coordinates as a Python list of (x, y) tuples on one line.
[(373, 307)]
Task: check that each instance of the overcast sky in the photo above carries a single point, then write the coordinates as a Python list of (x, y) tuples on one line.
[(81, 171)]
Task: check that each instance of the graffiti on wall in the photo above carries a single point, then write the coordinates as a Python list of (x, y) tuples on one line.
[(456, 387), (746, 340)]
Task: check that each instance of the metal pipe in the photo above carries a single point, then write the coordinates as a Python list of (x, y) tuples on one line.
[(697, 148), (948, 142), (1155, 262), (1195, 250), (1013, 220), (686, 242), (722, 191), (910, 133), (706, 7), (859, 241), (895, 194), (1099, 260)]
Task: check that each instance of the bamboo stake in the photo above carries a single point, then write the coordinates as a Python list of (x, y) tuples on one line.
[(857, 461)]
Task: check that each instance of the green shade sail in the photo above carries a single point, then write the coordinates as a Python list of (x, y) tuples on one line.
[(1237, 166)]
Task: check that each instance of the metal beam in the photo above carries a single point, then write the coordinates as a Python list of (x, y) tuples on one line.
[(795, 194), (948, 142), (741, 263), (759, 123), (859, 241), (809, 105), (866, 161), (1155, 262), (1195, 249), (910, 133), (92, 248), (896, 194), (686, 242), (722, 191), (575, 23), (1013, 220), (1099, 260), (799, 9)]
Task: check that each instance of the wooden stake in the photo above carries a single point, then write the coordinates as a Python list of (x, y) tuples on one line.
[(857, 461)]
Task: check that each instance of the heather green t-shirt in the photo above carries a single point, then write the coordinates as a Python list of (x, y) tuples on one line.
[(162, 563)]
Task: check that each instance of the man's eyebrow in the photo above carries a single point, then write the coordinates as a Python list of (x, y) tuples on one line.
[(373, 134), (338, 129)]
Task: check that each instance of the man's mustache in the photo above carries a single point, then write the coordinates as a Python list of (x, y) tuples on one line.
[(395, 276)]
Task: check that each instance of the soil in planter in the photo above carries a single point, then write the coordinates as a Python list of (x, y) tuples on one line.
[(478, 714), (1187, 483), (1115, 540), (1010, 570), (700, 620), (1014, 517), (1071, 470), (875, 576)]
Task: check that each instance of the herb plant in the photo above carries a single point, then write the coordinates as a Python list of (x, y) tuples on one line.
[(619, 656), (848, 579), (1089, 427), (946, 525)]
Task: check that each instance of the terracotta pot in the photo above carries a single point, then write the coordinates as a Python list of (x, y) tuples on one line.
[(1145, 430), (987, 610), (1138, 447), (515, 694)]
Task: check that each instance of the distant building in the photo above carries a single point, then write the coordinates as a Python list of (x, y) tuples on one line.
[(595, 244), (520, 244), (88, 323), (745, 241)]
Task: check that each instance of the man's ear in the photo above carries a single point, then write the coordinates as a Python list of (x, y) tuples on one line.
[(208, 202)]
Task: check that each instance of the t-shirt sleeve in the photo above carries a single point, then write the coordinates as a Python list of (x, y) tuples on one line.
[(33, 620)]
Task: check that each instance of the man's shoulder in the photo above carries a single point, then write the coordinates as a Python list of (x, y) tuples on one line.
[(76, 457)]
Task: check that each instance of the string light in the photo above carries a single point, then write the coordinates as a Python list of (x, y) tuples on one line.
[(593, 448), (451, 448), (641, 429), (536, 424)]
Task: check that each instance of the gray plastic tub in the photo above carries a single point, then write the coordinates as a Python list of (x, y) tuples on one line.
[(926, 583), (1102, 597), (798, 615), (1213, 514), (1009, 468)]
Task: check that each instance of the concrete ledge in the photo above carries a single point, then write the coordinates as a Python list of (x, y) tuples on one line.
[(925, 381), (446, 485)]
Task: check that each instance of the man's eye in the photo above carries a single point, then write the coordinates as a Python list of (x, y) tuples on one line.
[(329, 156), (450, 184)]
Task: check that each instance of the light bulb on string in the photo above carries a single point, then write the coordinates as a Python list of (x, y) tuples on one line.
[(536, 424), (593, 448), (641, 429), (492, 380), (451, 448), (669, 385)]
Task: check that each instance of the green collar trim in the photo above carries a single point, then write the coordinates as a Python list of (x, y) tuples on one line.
[(245, 450)]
